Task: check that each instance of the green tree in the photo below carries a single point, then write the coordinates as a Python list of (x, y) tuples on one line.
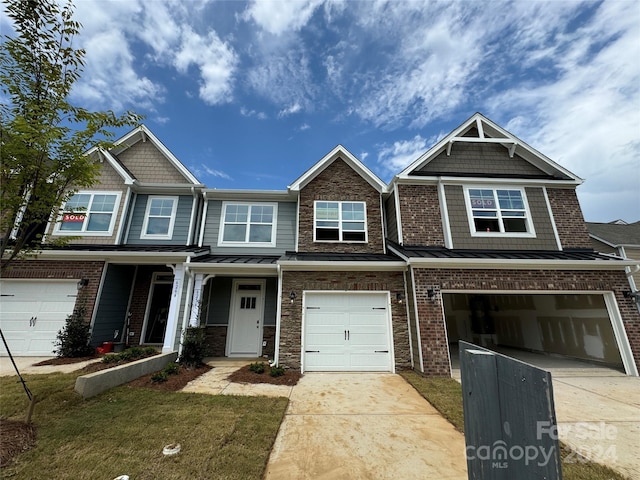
[(44, 138)]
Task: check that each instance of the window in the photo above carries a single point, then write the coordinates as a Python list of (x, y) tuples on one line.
[(498, 211), (159, 218), (89, 213), (245, 224), (340, 222)]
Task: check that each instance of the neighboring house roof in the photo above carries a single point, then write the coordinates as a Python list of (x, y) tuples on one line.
[(339, 152), (480, 130), (568, 258), (616, 234)]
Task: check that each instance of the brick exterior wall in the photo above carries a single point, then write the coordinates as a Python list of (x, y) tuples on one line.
[(339, 182), (63, 270), (567, 213), (430, 313), (291, 313), (420, 215)]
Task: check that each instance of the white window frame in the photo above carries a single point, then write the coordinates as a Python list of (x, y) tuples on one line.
[(247, 243), (340, 231), (530, 233), (172, 220), (83, 232)]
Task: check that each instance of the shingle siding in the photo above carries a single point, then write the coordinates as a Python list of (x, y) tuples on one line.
[(148, 165)]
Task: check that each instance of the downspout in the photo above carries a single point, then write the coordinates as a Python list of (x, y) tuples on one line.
[(276, 351)]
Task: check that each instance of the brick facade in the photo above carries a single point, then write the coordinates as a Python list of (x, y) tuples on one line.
[(339, 182), (430, 313), (567, 214), (420, 215), (63, 270), (291, 313)]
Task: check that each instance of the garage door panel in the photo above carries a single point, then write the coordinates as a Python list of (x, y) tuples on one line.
[(346, 335)]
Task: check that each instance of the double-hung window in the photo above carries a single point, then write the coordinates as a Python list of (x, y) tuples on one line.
[(501, 211), (159, 218), (340, 221), (89, 213), (248, 224)]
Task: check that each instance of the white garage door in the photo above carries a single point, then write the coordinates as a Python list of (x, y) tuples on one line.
[(347, 331), (32, 313)]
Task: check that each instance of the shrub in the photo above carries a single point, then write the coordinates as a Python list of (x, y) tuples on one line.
[(73, 340), (111, 358), (276, 371), (193, 347), (148, 351), (257, 367), (159, 377), (172, 369)]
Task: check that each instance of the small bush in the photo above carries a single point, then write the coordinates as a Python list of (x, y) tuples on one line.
[(172, 369), (193, 347), (73, 340), (111, 358), (257, 367), (276, 371), (133, 353), (148, 351), (159, 377)]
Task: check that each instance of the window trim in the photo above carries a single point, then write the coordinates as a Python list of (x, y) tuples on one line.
[(83, 233), (247, 243), (530, 233), (172, 220), (340, 220)]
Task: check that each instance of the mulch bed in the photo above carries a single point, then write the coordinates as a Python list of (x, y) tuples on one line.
[(174, 382), (244, 375), (65, 360), (16, 437)]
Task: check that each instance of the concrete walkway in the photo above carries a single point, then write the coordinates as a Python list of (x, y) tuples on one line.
[(363, 426), (26, 365)]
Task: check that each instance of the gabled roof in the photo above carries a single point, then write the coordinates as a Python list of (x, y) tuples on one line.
[(338, 152), (479, 129), (616, 234)]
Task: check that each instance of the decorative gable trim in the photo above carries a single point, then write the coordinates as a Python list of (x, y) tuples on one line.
[(491, 133), (339, 152)]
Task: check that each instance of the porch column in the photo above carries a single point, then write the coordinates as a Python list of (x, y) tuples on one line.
[(174, 308), (196, 307)]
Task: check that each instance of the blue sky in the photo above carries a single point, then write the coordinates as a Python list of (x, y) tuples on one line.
[(248, 95)]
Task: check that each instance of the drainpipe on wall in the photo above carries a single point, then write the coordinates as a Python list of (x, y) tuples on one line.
[(276, 347)]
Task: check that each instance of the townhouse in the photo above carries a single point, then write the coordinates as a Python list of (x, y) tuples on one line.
[(480, 239)]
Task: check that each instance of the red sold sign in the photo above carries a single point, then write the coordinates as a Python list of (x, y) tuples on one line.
[(73, 218)]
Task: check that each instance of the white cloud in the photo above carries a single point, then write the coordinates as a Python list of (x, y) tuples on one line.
[(290, 110), (245, 112), (395, 157), (214, 172), (278, 17), (304, 126)]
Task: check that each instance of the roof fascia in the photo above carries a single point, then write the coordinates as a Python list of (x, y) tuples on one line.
[(160, 188), (328, 266), (146, 134), (328, 159), (234, 269), (490, 263), (281, 195), (614, 245), (483, 180), (523, 149), (116, 257)]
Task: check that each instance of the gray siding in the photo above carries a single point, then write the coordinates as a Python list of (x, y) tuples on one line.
[(180, 227), (218, 301), (391, 222), (461, 236), (112, 306), (482, 160), (285, 233)]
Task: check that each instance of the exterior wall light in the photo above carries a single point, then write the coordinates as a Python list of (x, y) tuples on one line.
[(83, 282), (399, 297), (292, 296)]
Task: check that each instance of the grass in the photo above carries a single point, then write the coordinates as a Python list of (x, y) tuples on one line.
[(124, 430), (445, 394)]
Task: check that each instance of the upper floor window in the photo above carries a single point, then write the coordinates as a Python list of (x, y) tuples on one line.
[(89, 213), (498, 211), (245, 224), (159, 218), (340, 221)]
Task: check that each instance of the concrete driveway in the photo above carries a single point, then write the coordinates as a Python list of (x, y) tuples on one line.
[(363, 426)]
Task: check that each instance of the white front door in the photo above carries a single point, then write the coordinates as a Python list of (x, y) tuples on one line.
[(347, 331), (32, 312), (245, 323)]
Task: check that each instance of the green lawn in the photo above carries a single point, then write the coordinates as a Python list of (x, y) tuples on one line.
[(124, 430), (445, 394)]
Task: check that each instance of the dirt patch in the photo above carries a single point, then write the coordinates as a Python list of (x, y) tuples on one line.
[(244, 375), (65, 360), (17, 437), (174, 382)]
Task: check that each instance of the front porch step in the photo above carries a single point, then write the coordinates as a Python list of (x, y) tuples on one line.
[(232, 362)]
